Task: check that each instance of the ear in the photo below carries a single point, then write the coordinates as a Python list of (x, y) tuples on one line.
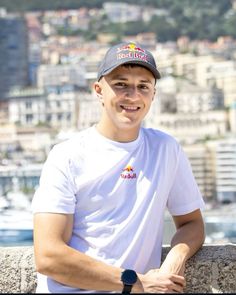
[(98, 89), (154, 94)]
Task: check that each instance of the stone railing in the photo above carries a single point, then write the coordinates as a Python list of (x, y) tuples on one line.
[(211, 270)]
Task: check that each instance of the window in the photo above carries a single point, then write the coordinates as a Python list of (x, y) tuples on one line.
[(29, 118), (28, 105)]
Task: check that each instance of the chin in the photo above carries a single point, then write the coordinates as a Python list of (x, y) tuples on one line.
[(129, 125)]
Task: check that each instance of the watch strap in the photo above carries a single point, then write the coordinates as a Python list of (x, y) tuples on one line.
[(127, 289)]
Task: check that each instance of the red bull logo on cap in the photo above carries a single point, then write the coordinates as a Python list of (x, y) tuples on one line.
[(128, 172), (131, 47), (131, 51)]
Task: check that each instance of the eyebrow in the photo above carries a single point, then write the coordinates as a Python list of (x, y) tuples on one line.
[(122, 78)]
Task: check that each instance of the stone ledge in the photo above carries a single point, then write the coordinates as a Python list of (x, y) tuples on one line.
[(211, 270)]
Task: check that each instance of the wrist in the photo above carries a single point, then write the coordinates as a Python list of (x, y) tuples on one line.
[(130, 281), (174, 262), (138, 286), (174, 265)]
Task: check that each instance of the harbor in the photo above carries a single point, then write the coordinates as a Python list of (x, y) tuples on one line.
[(16, 219)]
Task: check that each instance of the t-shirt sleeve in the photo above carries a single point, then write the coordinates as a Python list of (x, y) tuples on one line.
[(185, 195), (55, 193)]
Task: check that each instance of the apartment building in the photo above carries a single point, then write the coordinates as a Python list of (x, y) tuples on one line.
[(232, 117), (188, 112), (34, 28), (13, 53), (62, 74), (89, 111), (56, 107), (203, 166), (186, 65), (221, 74), (208, 71), (190, 127), (26, 106), (226, 170), (118, 12), (194, 99)]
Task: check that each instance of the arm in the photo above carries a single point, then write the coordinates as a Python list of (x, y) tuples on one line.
[(188, 238), (54, 258), (64, 264)]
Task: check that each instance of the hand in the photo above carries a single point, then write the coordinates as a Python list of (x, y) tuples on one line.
[(156, 281)]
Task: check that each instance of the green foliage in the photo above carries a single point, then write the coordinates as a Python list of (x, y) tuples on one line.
[(198, 19), (29, 5), (230, 25), (173, 5)]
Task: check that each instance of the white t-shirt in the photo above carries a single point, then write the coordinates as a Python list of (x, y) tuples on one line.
[(118, 193)]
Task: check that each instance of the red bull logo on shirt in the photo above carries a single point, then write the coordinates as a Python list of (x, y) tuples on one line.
[(128, 172), (131, 51)]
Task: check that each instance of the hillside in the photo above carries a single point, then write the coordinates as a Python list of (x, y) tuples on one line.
[(173, 5), (198, 19)]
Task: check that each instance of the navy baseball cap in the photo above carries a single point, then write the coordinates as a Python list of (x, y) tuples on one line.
[(127, 53)]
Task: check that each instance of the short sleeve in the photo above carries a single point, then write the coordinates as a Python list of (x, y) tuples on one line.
[(55, 193), (184, 196)]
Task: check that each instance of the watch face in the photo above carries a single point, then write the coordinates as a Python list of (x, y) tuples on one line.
[(129, 277)]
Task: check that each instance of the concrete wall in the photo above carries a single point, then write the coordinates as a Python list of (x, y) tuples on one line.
[(211, 270)]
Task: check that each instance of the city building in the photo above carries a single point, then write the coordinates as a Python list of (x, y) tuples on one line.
[(188, 112), (26, 106), (22, 145), (89, 111), (62, 74), (186, 65), (192, 98), (13, 53), (202, 161), (226, 170), (56, 107), (232, 117), (3, 112), (34, 28), (119, 12), (62, 106), (190, 127), (216, 75)]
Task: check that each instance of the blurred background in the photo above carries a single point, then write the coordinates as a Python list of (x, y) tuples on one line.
[(49, 56)]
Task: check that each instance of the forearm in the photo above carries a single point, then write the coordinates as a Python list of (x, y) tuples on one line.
[(73, 268), (185, 243), (55, 259)]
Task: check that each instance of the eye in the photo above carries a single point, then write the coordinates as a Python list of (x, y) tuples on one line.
[(120, 84), (143, 87)]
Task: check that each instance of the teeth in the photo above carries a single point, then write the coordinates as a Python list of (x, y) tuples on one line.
[(131, 108)]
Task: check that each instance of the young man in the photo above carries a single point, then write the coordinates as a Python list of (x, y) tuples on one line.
[(99, 209)]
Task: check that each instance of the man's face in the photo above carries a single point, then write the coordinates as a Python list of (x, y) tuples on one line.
[(126, 93)]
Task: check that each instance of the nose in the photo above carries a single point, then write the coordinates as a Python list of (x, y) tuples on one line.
[(132, 92)]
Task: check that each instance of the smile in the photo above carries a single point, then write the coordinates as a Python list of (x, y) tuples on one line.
[(130, 108)]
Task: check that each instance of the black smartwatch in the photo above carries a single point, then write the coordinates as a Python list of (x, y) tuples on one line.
[(129, 278)]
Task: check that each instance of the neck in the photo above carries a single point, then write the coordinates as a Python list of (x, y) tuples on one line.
[(116, 134)]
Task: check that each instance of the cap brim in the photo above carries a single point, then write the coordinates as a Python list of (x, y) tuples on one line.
[(146, 65)]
